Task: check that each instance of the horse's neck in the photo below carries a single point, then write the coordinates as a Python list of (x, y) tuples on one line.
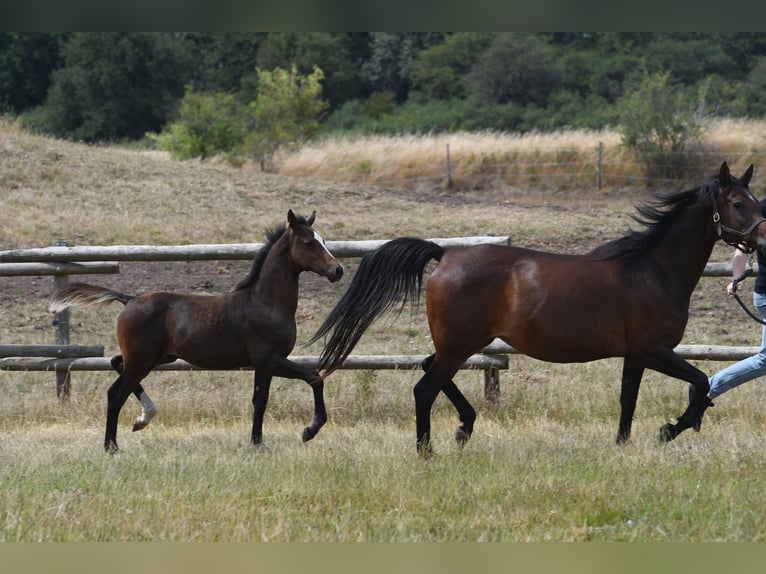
[(687, 247), (277, 284)]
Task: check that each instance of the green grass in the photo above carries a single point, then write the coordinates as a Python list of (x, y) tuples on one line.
[(541, 466)]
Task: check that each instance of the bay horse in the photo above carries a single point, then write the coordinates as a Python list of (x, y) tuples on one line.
[(251, 326), (627, 298)]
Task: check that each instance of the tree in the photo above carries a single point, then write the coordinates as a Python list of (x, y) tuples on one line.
[(26, 62), (660, 127), (221, 62), (392, 54), (441, 71), (332, 52), (113, 86), (516, 68), (285, 113)]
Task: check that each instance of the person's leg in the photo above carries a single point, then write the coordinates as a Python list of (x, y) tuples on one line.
[(746, 369)]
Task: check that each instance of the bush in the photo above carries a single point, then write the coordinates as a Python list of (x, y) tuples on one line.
[(660, 127), (208, 124), (284, 113)]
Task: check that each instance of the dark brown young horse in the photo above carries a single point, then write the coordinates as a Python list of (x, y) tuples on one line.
[(252, 326), (628, 298)]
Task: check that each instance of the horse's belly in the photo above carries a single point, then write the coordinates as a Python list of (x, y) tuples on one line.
[(561, 342)]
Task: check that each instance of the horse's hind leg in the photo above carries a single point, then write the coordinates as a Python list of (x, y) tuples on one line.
[(466, 412), (666, 361), (117, 394), (437, 376), (148, 409)]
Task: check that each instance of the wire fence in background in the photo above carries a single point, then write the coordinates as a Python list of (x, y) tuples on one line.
[(559, 169)]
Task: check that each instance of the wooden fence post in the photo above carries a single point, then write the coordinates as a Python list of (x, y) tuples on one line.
[(492, 384), (599, 155), (61, 327)]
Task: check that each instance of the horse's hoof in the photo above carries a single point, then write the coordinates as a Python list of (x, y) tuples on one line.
[(462, 436), (308, 434), (622, 439), (425, 451), (111, 447), (137, 426), (668, 432)]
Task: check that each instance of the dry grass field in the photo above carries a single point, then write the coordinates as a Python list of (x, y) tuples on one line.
[(541, 466)]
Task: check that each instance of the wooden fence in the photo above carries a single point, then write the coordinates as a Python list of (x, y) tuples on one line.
[(61, 260)]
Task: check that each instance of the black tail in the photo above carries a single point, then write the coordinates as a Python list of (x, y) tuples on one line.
[(391, 273)]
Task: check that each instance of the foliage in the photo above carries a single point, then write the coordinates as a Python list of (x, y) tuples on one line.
[(117, 86), (391, 60), (284, 113), (516, 68), (659, 126), (441, 71), (112, 86), (26, 62), (208, 124), (222, 62), (332, 52)]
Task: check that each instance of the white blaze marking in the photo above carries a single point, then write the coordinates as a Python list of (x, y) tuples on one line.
[(321, 242)]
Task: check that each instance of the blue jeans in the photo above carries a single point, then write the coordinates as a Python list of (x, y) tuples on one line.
[(747, 369)]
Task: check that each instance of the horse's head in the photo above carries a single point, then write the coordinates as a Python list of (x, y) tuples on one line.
[(737, 215), (307, 249)]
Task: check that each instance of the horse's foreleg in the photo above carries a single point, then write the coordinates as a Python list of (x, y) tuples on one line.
[(632, 373), (320, 412), (283, 367), (261, 386), (466, 412)]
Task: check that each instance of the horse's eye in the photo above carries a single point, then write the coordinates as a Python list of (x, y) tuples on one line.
[(737, 204)]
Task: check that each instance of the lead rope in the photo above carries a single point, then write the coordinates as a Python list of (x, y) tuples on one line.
[(735, 285)]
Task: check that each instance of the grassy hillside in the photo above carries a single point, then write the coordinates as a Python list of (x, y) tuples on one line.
[(542, 464)]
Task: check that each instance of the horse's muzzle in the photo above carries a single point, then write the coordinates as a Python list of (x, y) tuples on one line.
[(334, 273)]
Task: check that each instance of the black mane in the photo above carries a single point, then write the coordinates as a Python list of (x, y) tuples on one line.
[(658, 217), (272, 236)]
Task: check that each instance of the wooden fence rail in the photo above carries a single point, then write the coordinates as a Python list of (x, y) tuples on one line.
[(81, 253), (353, 362)]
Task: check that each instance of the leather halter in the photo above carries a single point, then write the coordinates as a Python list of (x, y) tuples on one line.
[(741, 238)]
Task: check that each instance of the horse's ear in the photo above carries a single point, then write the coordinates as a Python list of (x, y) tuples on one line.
[(311, 219), (724, 177), (745, 179), (291, 219)]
